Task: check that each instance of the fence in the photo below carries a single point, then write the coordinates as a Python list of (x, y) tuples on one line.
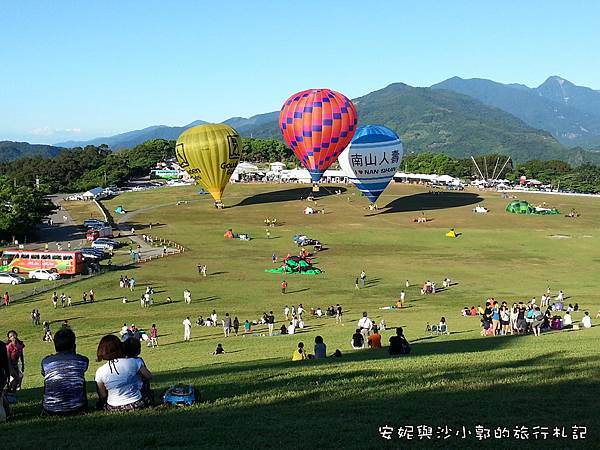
[(55, 285)]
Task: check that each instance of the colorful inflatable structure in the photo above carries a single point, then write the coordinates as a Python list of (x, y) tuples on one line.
[(295, 264), (523, 207)]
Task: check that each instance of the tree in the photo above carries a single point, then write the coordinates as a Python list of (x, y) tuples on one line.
[(22, 208)]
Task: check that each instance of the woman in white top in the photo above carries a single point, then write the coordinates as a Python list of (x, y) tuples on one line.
[(117, 381)]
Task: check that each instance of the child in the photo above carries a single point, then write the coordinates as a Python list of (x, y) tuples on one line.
[(219, 350), (132, 348), (247, 327), (47, 333), (153, 336)]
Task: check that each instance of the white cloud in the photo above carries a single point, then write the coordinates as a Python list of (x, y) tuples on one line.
[(49, 131)]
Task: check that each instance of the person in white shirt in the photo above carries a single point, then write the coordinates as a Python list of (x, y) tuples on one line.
[(586, 322), (118, 380), (300, 311), (291, 328), (213, 317), (286, 312), (365, 324), (567, 320), (319, 312), (561, 296), (187, 329), (124, 329)]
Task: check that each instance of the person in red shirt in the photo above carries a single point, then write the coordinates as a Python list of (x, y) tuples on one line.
[(153, 336), (14, 349), (375, 339), (6, 298), (283, 286)]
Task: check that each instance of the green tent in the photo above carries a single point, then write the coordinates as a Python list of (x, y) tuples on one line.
[(523, 207)]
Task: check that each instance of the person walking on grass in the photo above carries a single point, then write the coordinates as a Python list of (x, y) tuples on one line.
[(356, 284), (69, 301), (6, 298), (227, 325), (286, 312), (283, 286), (63, 299), (363, 277), (92, 296), (204, 268), (187, 329), (236, 325), (365, 325), (271, 322), (54, 299), (338, 313), (402, 297)]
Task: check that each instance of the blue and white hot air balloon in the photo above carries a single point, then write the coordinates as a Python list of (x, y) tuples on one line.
[(371, 159)]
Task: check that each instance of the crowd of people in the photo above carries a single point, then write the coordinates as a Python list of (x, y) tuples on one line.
[(498, 318)]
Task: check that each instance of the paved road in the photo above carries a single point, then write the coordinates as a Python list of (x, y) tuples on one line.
[(63, 230)]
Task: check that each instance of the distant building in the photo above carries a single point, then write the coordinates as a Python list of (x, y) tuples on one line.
[(93, 193)]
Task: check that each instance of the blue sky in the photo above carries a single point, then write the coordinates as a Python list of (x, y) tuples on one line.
[(81, 69)]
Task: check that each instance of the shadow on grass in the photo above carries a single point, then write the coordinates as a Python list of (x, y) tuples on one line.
[(353, 395), (429, 201), (285, 195)]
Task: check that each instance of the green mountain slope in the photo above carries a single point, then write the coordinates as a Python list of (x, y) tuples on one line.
[(571, 126), (447, 122), (10, 150)]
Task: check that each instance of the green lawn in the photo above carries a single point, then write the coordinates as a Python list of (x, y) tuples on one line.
[(257, 398)]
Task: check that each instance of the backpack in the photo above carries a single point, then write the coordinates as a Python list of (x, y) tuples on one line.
[(179, 395)]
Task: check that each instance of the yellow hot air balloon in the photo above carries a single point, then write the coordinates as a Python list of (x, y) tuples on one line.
[(210, 154)]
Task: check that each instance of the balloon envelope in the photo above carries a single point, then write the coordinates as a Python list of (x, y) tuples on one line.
[(317, 124), (210, 154), (371, 159)]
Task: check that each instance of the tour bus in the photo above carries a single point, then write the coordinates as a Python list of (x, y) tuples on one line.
[(94, 233), (24, 261)]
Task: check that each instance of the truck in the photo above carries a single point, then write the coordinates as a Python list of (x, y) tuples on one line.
[(99, 232)]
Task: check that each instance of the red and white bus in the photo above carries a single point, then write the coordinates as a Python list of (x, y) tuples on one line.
[(94, 233), (24, 261)]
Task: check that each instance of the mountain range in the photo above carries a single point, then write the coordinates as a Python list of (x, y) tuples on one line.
[(570, 113), (459, 117)]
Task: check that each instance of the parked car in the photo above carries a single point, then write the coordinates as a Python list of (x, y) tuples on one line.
[(91, 223), (43, 274), (92, 253), (108, 241), (103, 246), (11, 278)]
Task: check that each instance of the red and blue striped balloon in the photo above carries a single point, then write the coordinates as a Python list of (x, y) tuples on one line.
[(318, 124)]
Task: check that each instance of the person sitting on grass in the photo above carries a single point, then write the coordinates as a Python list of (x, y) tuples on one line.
[(4, 377), (399, 344), (64, 377), (132, 348), (567, 320), (219, 350), (283, 329), (299, 354), (375, 339), (117, 380), (586, 322), (358, 340), (320, 348)]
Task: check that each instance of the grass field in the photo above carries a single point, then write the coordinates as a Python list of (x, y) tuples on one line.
[(257, 398)]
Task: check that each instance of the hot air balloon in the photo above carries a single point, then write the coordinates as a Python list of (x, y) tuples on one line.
[(317, 124), (210, 154), (371, 159)]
